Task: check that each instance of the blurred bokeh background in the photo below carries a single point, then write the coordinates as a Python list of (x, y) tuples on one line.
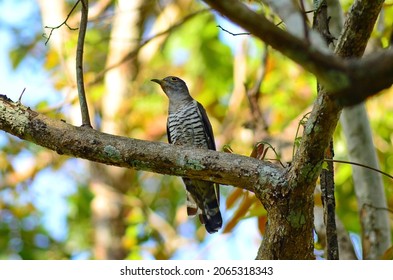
[(56, 207)]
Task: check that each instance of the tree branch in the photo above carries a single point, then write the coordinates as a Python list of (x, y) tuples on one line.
[(79, 65), (95, 11), (83, 142), (321, 24), (231, 33), (325, 113), (341, 78), (368, 76), (329, 206), (308, 160), (358, 27)]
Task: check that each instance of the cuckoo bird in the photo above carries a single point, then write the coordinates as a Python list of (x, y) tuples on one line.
[(188, 125)]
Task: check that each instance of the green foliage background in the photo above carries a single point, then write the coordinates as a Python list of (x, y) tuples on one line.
[(208, 59)]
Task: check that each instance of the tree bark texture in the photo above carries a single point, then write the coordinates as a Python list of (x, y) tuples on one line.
[(81, 142)]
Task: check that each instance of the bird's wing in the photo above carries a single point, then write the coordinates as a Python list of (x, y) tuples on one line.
[(168, 133), (207, 128), (210, 141)]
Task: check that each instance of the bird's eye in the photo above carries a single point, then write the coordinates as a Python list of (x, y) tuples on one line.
[(173, 78)]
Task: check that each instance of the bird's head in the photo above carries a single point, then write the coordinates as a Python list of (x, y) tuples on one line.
[(173, 87)]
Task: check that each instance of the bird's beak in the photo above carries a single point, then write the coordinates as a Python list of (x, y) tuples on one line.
[(157, 81)]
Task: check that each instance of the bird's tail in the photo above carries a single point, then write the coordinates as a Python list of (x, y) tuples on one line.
[(211, 216), (206, 206)]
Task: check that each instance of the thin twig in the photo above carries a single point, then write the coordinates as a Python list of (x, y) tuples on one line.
[(21, 95), (281, 22), (361, 165), (233, 34), (79, 64), (60, 25), (95, 11), (377, 208)]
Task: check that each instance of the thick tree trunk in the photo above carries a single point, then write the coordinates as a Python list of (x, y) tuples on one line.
[(289, 230), (368, 184)]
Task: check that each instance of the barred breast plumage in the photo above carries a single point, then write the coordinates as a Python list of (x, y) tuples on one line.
[(188, 125)]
